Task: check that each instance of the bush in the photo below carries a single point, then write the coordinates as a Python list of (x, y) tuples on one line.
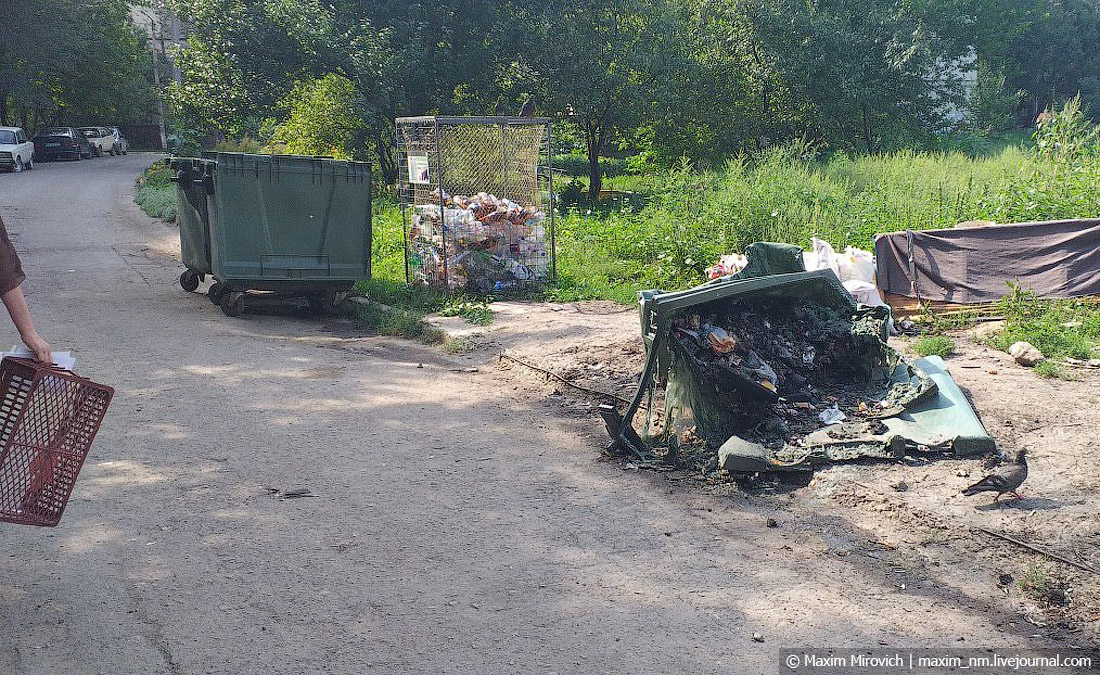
[(246, 144), (577, 165), (156, 193), (185, 142), (158, 202), (572, 195), (321, 119), (159, 176), (935, 345)]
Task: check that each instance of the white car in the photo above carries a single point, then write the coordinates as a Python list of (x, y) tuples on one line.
[(101, 140), (16, 151), (122, 146)]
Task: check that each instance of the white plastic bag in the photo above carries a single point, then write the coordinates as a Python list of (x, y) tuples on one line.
[(864, 292)]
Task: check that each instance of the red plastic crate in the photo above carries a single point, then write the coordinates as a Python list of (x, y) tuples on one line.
[(48, 419)]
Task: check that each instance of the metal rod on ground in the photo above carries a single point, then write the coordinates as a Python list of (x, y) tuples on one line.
[(559, 378), (1067, 364), (1039, 550)]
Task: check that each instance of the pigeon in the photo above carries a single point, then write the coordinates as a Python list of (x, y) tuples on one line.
[(1007, 478)]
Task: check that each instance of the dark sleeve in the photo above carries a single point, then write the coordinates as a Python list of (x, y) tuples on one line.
[(11, 269)]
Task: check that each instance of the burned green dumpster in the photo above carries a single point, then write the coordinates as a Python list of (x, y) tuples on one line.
[(778, 368)]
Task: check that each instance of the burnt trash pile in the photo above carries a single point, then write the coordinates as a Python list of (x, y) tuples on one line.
[(780, 370)]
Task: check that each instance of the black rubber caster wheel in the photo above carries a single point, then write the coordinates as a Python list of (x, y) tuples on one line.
[(215, 292), (189, 281), (232, 303)]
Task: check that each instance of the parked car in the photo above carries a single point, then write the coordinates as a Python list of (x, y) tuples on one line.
[(57, 142), (121, 144), (101, 140), (16, 152)]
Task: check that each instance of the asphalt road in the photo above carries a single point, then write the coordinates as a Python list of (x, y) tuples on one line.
[(453, 525)]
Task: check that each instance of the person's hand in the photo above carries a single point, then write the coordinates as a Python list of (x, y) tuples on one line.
[(40, 348)]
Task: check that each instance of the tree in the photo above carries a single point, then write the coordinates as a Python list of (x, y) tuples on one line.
[(594, 60), (69, 60), (1053, 55), (405, 58), (321, 119), (855, 70)]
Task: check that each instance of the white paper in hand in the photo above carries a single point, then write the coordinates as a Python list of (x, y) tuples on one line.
[(63, 360)]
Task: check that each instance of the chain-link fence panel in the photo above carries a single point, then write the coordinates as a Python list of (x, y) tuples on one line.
[(477, 198)]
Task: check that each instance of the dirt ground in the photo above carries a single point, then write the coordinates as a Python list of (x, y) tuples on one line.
[(916, 522), (461, 520)]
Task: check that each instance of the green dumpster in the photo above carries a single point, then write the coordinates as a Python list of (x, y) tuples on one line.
[(191, 177), (778, 369), (287, 224)]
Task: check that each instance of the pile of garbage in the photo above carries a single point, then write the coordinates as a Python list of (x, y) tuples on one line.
[(480, 243), (775, 371), (778, 368)]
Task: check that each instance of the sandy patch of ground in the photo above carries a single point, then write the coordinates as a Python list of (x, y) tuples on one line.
[(915, 521)]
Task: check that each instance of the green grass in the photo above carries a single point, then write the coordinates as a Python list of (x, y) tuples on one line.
[(396, 321), (393, 292), (1052, 370), (680, 221), (1035, 581), (476, 312), (935, 345), (677, 222), (457, 346), (1057, 328), (158, 202), (156, 194)]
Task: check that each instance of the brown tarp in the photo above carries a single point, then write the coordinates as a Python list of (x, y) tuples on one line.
[(1056, 259)]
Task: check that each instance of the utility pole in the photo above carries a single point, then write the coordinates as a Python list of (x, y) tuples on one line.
[(156, 33)]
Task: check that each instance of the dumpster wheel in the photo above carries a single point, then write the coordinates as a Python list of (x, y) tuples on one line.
[(232, 303), (215, 292), (189, 281)]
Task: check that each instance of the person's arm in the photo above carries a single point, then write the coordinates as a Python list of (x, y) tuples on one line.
[(21, 317)]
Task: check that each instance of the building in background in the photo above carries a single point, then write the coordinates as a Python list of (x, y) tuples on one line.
[(166, 34)]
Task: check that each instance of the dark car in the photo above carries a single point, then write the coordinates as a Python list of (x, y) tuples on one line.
[(61, 142)]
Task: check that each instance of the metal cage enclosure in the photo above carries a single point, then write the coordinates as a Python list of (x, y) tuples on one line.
[(477, 202)]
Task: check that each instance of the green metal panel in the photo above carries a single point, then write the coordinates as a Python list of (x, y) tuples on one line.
[(946, 416), (289, 223), (192, 214)]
